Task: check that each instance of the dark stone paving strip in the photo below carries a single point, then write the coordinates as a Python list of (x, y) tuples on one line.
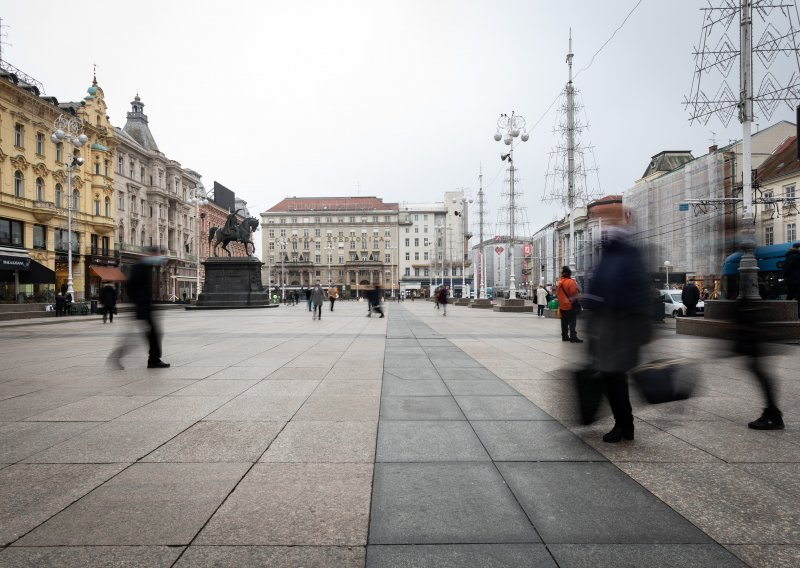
[(470, 473)]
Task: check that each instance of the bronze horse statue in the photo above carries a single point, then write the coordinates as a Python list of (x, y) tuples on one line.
[(239, 233)]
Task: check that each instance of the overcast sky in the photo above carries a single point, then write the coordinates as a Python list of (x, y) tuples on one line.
[(397, 99)]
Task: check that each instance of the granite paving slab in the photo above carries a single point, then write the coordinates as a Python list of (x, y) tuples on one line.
[(650, 555), (280, 388), (32, 493), (214, 441), (420, 408), (298, 373), (112, 442), (415, 374), (147, 504), (19, 440), (339, 408), (392, 386), (540, 440), (149, 387), (500, 408), (295, 504), (460, 556), (182, 408), (89, 556), (466, 373), (593, 503), (428, 441), (211, 387), (273, 556), (426, 503), (479, 387), (357, 387), (767, 555), (318, 442), (258, 408)]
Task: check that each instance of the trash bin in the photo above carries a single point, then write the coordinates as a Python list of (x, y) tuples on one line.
[(93, 309)]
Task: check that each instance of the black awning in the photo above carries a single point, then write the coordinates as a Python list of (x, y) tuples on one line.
[(35, 274), (15, 262)]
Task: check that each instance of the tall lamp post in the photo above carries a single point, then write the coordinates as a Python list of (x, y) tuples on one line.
[(330, 258), (282, 242), (69, 129), (199, 198), (464, 237), (508, 128), (667, 264)]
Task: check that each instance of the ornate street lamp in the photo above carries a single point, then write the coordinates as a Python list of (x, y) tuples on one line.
[(282, 242), (464, 236), (667, 264), (69, 129), (508, 128), (199, 198)]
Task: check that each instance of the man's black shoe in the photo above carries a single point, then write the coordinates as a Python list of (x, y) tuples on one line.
[(576, 340), (617, 434), (770, 420), (157, 364), (565, 339)]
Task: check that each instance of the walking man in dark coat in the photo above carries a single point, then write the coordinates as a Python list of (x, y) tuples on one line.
[(791, 274), (140, 289), (108, 297), (690, 296)]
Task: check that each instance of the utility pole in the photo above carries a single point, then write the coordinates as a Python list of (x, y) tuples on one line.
[(571, 158), (481, 263)]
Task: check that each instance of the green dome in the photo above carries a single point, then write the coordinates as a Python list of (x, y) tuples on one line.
[(92, 90)]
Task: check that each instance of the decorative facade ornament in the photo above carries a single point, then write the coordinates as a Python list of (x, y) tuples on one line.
[(19, 162), (41, 170), (60, 176), (77, 182), (3, 156)]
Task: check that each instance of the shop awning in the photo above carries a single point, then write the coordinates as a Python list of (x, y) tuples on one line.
[(14, 259), (108, 273), (34, 273)]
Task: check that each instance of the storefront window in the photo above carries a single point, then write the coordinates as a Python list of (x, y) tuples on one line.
[(10, 232)]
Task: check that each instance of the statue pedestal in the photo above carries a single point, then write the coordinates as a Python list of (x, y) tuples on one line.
[(233, 282)]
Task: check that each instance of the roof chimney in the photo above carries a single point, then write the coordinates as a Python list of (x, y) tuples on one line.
[(712, 149)]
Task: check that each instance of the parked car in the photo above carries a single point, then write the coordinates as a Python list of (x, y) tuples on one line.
[(673, 305)]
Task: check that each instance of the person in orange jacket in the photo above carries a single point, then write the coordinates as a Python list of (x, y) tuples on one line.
[(567, 293)]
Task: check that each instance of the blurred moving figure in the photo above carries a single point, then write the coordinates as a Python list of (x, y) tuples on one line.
[(791, 274), (108, 297), (690, 296), (375, 297), (140, 290), (317, 299), (567, 293), (620, 299), (750, 338), (541, 300)]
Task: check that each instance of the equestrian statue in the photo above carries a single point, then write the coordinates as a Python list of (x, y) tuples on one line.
[(232, 231)]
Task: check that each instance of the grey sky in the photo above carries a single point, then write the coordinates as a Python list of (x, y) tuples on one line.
[(393, 99)]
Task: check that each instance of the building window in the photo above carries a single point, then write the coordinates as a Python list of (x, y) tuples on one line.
[(19, 184), (97, 206), (120, 164), (121, 202), (408, 242), (40, 237), (769, 236), (387, 244), (769, 206), (387, 232), (59, 193), (105, 168), (40, 143), (408, 272), (105, 245), (426, 272), (10, 232), (416, 229), (107, 211), (416, 272), (39, 189), (317, 233), (60, 152), (416, 256), (416, 242), (94, 244), (387, 258), (364, 244), (788, 192), (317, 259), (97, 168), (352, 245), (19, 135), (425, 242), (791, 232), (76, 196)]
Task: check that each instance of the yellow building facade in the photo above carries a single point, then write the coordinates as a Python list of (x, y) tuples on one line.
[(34, 194)]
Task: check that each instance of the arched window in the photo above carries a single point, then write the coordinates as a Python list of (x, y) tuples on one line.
[(58, 195), (121, 234), (59, 152), (19, 184), (97, 206), (107, 211), (76, 200), (39, 189)]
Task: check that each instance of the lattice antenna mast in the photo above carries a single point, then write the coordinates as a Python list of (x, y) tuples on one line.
[(482, 211), (566, 179), (777, 43)]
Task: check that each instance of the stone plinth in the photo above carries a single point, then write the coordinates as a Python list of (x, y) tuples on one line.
[(233, 282), (780, 316), (515, 305), (461, 302), (481, 303)]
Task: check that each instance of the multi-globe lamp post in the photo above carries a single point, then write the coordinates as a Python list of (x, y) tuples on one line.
[(508, 128), (70, 130), (464, 236), (283, 244), (198, 199)]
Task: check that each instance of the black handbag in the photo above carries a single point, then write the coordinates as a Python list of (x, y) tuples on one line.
[(589, 390), (664, 380)]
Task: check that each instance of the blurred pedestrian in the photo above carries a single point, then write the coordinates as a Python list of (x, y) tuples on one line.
[(140, 290), (690, 296), (317, 299), (333, 295), (567, 293), (443, 298), (791, 274), (750, 338), (308, 299), (541, 300), (619, 324), (108, 298), (375, 296)]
